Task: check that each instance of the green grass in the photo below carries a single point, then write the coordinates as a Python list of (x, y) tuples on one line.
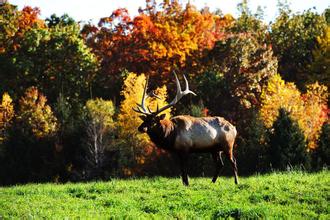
[(293, 195)]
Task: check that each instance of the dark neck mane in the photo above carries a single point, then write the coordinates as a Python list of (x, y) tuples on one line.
[(163, 135)]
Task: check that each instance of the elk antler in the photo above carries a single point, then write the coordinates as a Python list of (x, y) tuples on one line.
[(141, 107), (179, 94)]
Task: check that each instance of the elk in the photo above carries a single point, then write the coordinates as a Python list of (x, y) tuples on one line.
[(185, 134)]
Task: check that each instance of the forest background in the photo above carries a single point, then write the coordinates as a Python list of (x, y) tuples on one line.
[(68, 89)]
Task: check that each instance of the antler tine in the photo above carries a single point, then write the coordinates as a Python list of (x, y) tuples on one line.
[(138, 110), (149, 109), (152, 94), (179, 94), (187, 91), (144, 95), (178, 86), (142, 105)]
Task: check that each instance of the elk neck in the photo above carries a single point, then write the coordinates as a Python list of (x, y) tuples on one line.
[(163, 135)]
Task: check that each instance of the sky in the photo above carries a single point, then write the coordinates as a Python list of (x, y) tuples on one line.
[(93, 10)]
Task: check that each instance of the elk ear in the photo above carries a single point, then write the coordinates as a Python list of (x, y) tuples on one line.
[(143, 117), (161, 117)]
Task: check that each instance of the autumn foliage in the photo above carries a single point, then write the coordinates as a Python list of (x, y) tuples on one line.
[(6, 114), (308, 109), (14, 24), (36, 115), (156, 41), (68, 88)]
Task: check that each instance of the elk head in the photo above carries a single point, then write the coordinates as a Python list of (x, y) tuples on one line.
[(151, 119)]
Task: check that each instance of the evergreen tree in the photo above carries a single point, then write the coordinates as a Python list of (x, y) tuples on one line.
[(287, 143), (321, 155), (251, 149)]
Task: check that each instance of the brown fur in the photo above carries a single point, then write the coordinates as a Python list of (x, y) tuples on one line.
[(167, 134)]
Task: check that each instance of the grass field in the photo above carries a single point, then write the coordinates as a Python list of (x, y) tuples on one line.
[(279, 195)]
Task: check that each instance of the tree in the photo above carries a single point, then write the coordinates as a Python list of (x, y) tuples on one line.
[(69, 147), (6, 115), (29, 148), (252, 150), (315, 112), (64, 20), (321, 155), (294, 37), (241, 67), (249, 66), (99, 127), (35, 116), (6, 118), (309, 109), (279, 94), (160, 39), (8, 26), (250, 23), (14, 24), (318, 70), (54, 59), (287, 146)]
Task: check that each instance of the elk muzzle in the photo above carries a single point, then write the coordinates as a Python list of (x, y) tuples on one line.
[(143, 129)]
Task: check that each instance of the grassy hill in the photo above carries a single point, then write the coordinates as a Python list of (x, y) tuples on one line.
[(278, 195)]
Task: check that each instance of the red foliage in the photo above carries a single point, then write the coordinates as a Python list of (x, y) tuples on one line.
[(156, 41)]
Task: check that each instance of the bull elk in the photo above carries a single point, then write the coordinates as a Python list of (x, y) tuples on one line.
[(185, 134)]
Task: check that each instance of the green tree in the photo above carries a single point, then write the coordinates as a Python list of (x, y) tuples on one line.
[(251, 147), (294, 37), (321, 155), (319, 68), (287, 146), (69, 142), (64, 20), (241, 66), (55, 59), (247, 22)]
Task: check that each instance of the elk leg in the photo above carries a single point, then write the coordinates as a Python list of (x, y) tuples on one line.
[(235, 170), (218, 164), (183, 165), (221, 161), (234, 165)]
